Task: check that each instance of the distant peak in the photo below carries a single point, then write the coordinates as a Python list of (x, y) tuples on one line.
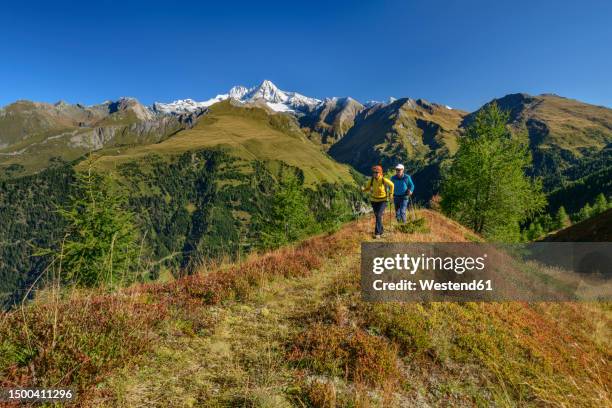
[(370, 103), (266, 83), (519, 95), (343, 101), (514, 99)]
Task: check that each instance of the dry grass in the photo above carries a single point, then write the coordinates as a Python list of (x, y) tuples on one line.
[(352, 354), (236, 281), (509, 353), (76, 340), (289, 328), (411, 226)]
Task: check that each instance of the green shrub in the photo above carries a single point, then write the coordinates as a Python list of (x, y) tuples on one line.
[(418, 225)]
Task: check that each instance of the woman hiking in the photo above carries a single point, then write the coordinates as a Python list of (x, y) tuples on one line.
[(403, 190), (379, 196)]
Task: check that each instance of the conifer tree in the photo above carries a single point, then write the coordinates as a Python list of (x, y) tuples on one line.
[(486, 186), (290, 217), (584, 213), (101, 243), (562, 220), (538, 231), (601, 204)]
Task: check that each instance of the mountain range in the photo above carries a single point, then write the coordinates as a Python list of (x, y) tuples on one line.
[(569, 139)]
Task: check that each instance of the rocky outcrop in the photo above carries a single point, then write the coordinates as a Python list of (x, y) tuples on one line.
[(145, 132), (332, 119)]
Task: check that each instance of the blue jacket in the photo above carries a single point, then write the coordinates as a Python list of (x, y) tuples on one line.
[(402, 185)]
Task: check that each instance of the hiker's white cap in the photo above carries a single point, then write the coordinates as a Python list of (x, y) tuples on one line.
[(399, 167)]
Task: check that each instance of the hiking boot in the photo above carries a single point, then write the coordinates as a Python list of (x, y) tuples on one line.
[(377, 236)]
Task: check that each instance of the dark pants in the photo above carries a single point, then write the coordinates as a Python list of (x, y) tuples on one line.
[(401, 203), (379, 211)]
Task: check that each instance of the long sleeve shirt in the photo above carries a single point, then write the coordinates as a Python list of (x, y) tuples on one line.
[(402, 185), (378, 189)]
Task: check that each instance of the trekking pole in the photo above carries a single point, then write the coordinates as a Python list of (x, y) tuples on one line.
[(390, 216)]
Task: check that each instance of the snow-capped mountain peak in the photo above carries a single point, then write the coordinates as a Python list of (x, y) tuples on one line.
[(268, 92), (275, 98), (238, 92)]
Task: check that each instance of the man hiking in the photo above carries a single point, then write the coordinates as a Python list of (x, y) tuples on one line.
[(378, 196), (403, 190)]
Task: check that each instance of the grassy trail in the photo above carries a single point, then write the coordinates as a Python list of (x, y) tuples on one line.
[(241, 358), (240, 361)]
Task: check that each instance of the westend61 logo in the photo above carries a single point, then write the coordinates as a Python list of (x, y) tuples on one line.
[(552, 271)]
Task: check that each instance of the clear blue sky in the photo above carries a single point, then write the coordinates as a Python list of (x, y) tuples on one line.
[(460, 53)]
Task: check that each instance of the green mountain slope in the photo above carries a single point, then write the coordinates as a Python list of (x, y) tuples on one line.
[(35, 135), (574, 195), (563, 134), (24, 120), (569, 140), (417, 133), (594, 229), (250, 133)]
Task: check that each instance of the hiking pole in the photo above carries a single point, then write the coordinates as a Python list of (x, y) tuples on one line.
[(390, 216)]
